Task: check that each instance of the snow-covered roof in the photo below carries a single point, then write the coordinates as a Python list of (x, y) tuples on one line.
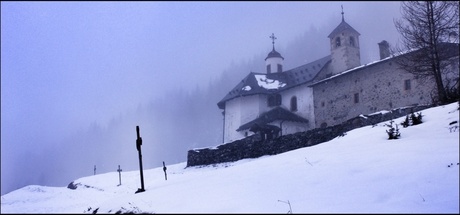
[(261, 83), (350, 70), (267, 83)]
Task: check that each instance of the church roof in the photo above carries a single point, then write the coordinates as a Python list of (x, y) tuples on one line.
[(274, 53), (307, 72), (254, 83), (261, 83), (277, 113), (342, 27), (451, 50)]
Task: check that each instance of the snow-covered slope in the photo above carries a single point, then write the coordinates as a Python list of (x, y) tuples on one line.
[(361, 172)]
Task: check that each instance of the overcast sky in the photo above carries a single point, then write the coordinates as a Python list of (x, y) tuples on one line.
[(65, 65)]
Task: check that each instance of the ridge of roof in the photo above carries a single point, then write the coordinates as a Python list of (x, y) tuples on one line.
[(277, 113), (451, 47)]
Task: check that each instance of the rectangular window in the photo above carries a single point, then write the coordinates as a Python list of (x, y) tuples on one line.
[(271, 101), (407, 84), (268, 69), (352, 41), (356, 97), (294, 103), (277, 99)]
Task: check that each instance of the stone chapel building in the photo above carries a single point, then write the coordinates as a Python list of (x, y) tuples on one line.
[(322, 93)]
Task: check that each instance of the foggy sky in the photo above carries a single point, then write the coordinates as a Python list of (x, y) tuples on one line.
[(66, 66)]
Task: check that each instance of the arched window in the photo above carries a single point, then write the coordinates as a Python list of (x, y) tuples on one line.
[(352, 41), (294, 103), (280, 68), (337, 42)]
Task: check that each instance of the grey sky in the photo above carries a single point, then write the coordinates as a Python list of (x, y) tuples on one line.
[(65, 65)]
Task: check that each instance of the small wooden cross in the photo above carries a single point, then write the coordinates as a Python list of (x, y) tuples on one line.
[(164, 170), (119, 174)]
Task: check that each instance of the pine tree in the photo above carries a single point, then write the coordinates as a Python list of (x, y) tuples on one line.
[(406, 122), (393, 133)]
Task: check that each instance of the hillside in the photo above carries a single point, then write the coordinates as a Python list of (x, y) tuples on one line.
[(361, 172)]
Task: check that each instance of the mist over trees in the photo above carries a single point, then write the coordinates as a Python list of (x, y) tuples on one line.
[(171, 125), (181, 120)]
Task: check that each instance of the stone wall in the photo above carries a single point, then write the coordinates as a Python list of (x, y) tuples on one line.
[(252, 147), (380, 86)]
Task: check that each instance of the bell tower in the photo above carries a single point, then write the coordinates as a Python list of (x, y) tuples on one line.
[(344, 42), (274, 60)]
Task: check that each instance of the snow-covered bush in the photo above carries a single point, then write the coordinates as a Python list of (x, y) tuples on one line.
[(412, 119)]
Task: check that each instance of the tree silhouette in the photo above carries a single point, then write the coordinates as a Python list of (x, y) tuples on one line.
[(426, 28)]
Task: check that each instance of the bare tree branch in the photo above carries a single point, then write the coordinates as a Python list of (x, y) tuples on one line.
[(426, 27)]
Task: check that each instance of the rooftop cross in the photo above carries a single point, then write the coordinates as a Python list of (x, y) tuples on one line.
[(342, 13), (273, 40)]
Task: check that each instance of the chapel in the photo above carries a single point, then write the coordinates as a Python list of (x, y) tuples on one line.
[(324, 92)]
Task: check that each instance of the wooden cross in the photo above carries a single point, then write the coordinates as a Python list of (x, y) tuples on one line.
[(119, 174), (138, 146), (342, 13), (94, 169), (164, 170)]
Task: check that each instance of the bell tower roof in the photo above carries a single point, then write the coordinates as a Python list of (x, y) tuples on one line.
[(274, 53), (342, 27)]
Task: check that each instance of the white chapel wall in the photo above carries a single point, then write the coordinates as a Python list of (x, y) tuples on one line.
[(239, 111), (232, 119), (305, 103), (273, 62)]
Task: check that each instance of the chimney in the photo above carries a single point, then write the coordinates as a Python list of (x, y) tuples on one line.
[(384, 49)]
